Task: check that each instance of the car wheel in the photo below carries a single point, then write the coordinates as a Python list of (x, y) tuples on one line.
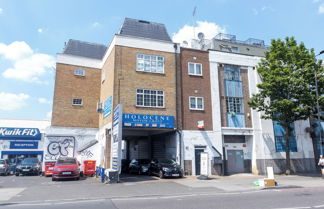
[(17, 174), (77, 178), (161, 175)]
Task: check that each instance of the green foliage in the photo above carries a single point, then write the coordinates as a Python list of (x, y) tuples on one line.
[(287, 91)]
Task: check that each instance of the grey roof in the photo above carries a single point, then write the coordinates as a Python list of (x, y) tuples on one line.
[(144, 29), (85, 49)]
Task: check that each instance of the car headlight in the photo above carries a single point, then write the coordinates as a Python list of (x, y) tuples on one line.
[(165, 169)]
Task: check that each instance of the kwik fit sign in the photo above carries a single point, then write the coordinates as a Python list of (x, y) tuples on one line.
[(19, 133)]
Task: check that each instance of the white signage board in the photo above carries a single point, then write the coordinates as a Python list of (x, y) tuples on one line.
[(116, 138), (204, 163)]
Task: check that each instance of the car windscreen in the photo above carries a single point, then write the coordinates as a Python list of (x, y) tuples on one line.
[(30, 161), (168, 161), (2, 162), (66, 162)]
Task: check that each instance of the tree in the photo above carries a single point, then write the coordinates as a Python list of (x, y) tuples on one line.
[(287, 91)]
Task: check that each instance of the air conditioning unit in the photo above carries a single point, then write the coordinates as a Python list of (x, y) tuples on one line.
[(99, 107)]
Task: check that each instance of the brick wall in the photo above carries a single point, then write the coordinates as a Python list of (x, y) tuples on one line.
[(198, 86), (68, 86), (127, 80)]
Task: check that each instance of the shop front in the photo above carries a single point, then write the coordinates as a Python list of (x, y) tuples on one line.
[(19, 143), (148, 137)]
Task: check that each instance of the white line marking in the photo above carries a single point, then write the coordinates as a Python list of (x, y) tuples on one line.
[(319, 206)]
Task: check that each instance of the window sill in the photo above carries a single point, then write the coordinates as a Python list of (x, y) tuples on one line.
[(154, 73), (137, 106), (201, 110), (195, 75)]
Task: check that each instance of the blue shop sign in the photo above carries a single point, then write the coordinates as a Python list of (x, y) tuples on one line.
[(107, 107), (23, 145), (20, 133), (148, 121)]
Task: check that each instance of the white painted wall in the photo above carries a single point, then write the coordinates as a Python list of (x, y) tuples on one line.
[(201, 138), (82, 136)]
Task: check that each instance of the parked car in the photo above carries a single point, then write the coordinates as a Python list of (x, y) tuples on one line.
[(165, 168), (66, 168), (139, 166), (29, 166), (4, 167)]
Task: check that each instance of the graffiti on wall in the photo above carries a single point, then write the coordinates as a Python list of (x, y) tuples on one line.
[(56, 147)]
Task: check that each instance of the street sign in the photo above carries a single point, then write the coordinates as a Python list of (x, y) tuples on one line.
[(116, 139)]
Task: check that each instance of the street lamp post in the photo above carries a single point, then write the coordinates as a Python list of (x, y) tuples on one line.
[(318, 107)]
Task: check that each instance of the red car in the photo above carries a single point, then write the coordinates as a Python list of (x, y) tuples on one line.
[(66, 168)]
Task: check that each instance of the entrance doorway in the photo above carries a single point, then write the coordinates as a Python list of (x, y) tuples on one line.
[(235, 161), (198, 151)]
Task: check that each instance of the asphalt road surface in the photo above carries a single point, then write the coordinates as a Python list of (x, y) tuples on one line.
[(143, 196)]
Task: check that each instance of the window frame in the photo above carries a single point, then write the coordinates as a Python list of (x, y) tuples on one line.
[(195, 69), (73, 104), (156, 66), (79, 70), (157, 95), (196, 103), (234, 105)]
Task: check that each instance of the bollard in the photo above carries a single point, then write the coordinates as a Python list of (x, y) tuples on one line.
[(102, 175)]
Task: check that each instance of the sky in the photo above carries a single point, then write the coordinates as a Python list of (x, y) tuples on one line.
[(32, 32)]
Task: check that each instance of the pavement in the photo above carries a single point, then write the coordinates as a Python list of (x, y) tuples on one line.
[(36, 189)]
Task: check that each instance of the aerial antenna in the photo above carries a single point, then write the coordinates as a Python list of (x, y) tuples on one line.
[(193, 20)]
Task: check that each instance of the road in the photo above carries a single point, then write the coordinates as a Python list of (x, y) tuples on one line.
[(40, 192)]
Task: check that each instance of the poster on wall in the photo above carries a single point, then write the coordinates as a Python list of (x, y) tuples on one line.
[(57, 146), (116, 139)]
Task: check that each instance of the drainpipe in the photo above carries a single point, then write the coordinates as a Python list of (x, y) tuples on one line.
[(178, 128)]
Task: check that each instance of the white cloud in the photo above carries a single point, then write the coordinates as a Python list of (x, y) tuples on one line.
[(40, 30), (43, 100), (96, 24), (186, 33), (1, 10), (315, 1), (16, 50), (27, 65), (321, 9), (9, 101), (49, 115)]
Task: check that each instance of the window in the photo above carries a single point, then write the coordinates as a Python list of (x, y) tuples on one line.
[(79, 72), (77, 101), (234, 105), (280, 141), (196, 103), (150, 63), (194, 68), (149, 98), (235, 49), (232, 72)]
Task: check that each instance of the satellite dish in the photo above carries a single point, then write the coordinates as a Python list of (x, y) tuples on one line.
[(201, 35)]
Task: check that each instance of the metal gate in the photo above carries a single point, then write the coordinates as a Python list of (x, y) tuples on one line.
[(235, 161), (197, 159)]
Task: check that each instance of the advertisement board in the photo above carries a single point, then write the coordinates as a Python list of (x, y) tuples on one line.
[(20, 133), (148, 121), (56, 146), (107, 107), (116, 139), (23, 145)]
